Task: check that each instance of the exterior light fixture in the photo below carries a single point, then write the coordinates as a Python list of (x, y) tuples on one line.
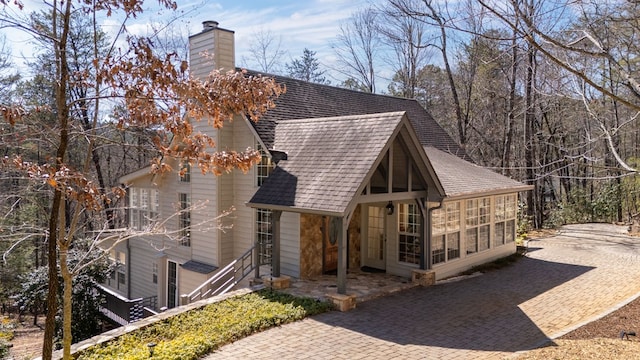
[(151, 347), (389, 208)]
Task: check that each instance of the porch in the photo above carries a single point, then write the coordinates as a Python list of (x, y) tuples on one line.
[(363, 285)]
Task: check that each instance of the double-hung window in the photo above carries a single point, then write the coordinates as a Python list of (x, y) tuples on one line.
[(143, 207), (445, 229), (505, 219), (184, 219), (478, 224), (409, 233)]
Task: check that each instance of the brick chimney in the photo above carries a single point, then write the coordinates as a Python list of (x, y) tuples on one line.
[(215, 42)]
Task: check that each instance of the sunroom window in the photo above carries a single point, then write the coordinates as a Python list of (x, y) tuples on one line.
[(409, 233), (445, 244)]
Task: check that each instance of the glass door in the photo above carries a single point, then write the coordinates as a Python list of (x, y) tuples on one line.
[(172, 284), (374, 255)]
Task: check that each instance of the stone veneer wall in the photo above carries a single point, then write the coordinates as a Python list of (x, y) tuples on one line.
[(355, 237), (310, 246), (311, 243)]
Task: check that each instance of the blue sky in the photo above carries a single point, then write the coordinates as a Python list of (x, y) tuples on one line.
[(313, 24)]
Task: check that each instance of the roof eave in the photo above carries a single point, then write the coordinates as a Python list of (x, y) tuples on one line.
[(294, 209), (475, 194)]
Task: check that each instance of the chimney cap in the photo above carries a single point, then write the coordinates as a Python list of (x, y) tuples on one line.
[(209, 24)]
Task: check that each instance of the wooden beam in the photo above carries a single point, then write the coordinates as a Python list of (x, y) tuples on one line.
[(275, 256), (342, 255)]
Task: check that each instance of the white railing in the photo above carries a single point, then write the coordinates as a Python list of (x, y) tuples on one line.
[(223, 280)]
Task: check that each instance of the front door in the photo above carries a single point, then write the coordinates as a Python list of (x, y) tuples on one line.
[(374, 254), (330, 228), (172, 284)]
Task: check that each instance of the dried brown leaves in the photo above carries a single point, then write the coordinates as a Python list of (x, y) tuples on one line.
[(159, 94), (73, 184)]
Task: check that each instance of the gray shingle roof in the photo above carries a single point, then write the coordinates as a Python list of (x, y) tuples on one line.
[(199, 267), (460, 178), (328, 160), (305, 100)]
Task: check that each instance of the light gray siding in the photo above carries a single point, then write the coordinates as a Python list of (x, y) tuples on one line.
[(244, 188), (142, 258), (290, 244)]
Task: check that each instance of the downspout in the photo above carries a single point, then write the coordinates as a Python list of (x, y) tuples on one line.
[(128, 270), (428, 264)]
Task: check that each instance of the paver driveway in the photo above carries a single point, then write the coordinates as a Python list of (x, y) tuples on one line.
[(565, 281)]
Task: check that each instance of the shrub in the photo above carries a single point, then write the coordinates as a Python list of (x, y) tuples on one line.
[(198, 332)]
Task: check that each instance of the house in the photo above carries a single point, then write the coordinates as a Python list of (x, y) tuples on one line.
[(348, 180)]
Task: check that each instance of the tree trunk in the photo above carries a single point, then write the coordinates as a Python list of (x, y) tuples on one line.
[(62, 76), (67, 302)]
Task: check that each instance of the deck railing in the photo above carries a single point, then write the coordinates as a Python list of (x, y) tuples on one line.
[(124, 311), (223, 280)]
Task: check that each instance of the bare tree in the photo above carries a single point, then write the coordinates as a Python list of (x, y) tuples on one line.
[(357, 49), (406, 35), (157, 92), (266, 52)]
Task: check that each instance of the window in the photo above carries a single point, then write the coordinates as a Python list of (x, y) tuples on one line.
[(453, 230), (264, 235), (409, 233), (264, 168), (118, 278), (477, 224), (154, 276), (505, 217), (143, 207), (185, 173), (445, 229), (438, 229), (134, 211), (184, 219)]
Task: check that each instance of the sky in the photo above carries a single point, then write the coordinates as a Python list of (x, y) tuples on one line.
[(299, 24)]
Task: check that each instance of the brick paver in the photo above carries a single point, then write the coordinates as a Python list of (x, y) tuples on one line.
[(565, 281)]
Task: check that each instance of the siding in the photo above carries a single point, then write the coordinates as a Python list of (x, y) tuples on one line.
[(226, 183), (244, 188), (189, 280), (290, 244), (200, 66), (219, 43), (204, 238), (142, 258)]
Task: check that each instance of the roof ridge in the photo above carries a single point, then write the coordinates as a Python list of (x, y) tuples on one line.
[(343, 117), (284, 77)]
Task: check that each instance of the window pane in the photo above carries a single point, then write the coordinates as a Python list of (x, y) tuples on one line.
[(453, 217), (510, 207), (498, 234), (264, 168), (437, 249), (264, 235), (453, 246), (408, 233), (437, 221), (472, 240), (483, 238), (472, 212), (499, 208), (184, 220), (484, 209), (510, 231), (409, 249)]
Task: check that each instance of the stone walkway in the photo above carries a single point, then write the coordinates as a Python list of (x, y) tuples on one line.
[(565, 281)]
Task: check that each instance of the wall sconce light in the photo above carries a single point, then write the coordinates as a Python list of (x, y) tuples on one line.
[(151, 347), (389, 208)]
